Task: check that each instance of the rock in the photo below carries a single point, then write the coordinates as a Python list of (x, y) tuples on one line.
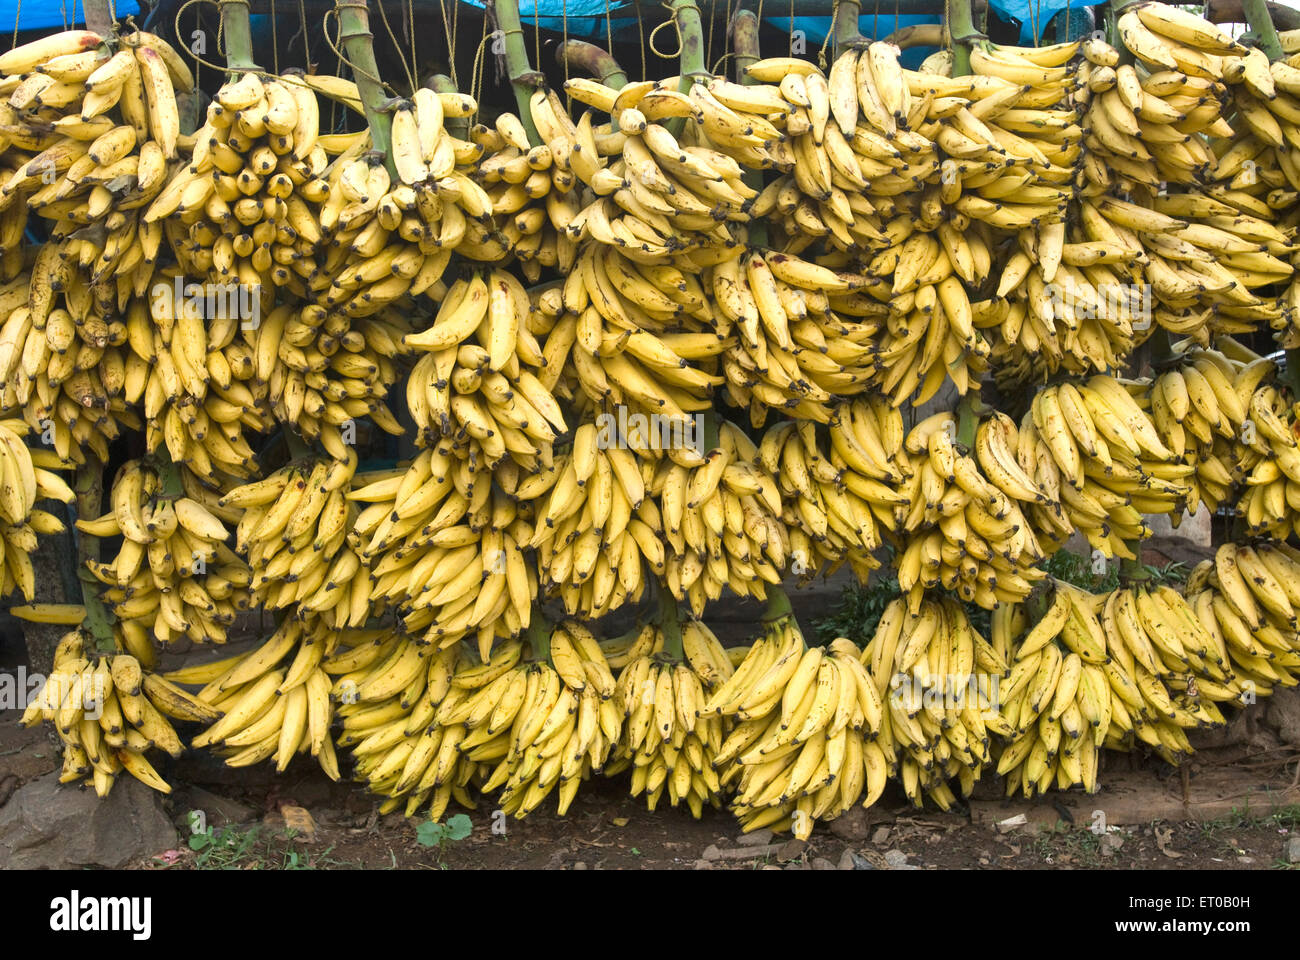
[(711, 852), (769, 866), (49, 826), (821, 863), (1293, 850), (703, 865), (895, 858), (580, 865), (759, 838), (880, 837), (8, 784), (791, 850), (857, 861), (1245, 859), (1284, 714), (854, 826), (797, 865), (218, 811), (1110, 844)]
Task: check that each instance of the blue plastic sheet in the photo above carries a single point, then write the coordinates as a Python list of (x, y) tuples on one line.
[(45, 15), (1034, 15)]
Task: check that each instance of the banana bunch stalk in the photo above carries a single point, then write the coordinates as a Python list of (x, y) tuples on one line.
[(245, 209), (668, 746), (962, 528), (273, 706), (474, 385), (61, 357), (937, 679), (642, 336), (173, 576), (323, 369), (805, 335), (296, 533), (664, 194), (1244, 600), (1095, 448), (536, 725), (26, 476), (399, 749), (1200, 406), (445, 546), (804, 745), (109, 711), (90, 128)]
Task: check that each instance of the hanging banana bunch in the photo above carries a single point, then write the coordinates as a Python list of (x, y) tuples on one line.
[(26, 476), (271, 705), (937, 680), (173, 576), (109, 711)]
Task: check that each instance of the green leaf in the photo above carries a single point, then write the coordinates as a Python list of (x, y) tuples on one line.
[(458, 827), (430, 834)]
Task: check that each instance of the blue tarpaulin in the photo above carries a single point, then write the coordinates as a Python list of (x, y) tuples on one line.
[(1034, 15), (47, 15)]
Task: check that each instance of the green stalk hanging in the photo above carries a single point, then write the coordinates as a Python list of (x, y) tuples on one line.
[(847, 34), (581, 55), (238, 35), (594, 60), (99, 17), (962, 33), (1262, 27), (458, 127), (89, 488), (691, 63), (523, 78), (358, 44), (744, 45)]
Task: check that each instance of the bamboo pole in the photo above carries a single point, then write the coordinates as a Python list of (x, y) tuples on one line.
[(358, 44), (686, 13), (523, 78), (99, 17)]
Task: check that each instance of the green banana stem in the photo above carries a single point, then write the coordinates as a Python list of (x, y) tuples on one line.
[(539, 635), (846, 29), (962, 32), (238, 34), (744, 44), (691, 55), (596, 61), (358, 44), (778, 604), (1293, 372), (523, 79), (1132, 571), (592, 59), (89, 487), (99, 17), (1261, 25), (967, 420), (458, 127), (671, 625)]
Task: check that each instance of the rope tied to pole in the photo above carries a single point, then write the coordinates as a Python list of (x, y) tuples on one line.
[(348, 5)]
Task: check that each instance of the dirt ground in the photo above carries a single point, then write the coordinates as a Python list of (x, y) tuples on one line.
[(1237, 816), (608, 830)]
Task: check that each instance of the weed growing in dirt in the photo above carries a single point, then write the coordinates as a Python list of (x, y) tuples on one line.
[(255, 848), (434, 834)]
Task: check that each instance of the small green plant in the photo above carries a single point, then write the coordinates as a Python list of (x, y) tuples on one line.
[(254, 848), (861, 607), (434, 834)]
